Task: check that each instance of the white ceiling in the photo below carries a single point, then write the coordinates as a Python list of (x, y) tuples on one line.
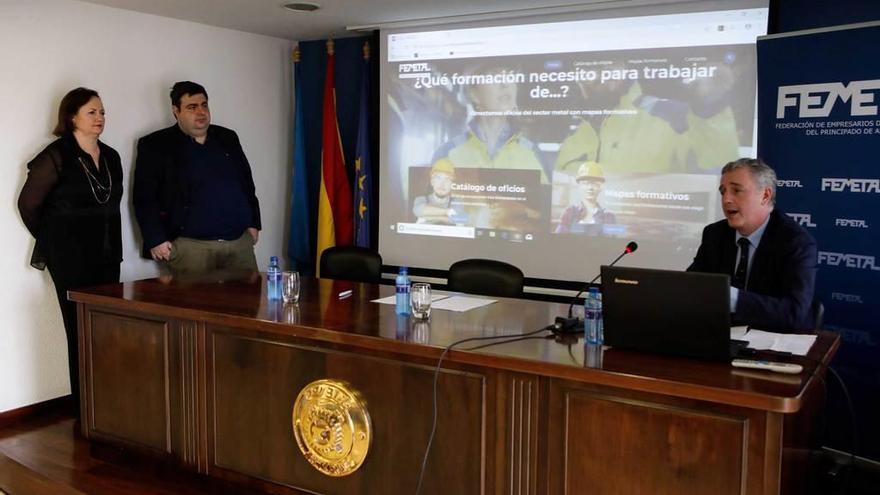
[(269, 18)]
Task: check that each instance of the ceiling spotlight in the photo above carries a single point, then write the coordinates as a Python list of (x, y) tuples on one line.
[(302, 7)]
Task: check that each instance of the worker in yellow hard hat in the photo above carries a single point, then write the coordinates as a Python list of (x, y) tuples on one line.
[(435, 207), (493, 138), (586, 211), (641, 132)]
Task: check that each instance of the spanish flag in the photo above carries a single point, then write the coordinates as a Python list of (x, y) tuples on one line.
[(335, 219)]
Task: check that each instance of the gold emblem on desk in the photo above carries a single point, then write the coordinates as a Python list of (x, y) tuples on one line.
[(332, 427)]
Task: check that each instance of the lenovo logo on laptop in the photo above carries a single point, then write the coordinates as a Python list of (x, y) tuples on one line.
[(625, 281)]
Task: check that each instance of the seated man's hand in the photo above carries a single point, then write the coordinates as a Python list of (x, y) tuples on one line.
[(161, 252)]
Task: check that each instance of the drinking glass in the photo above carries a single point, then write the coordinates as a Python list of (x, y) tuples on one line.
[(291, 313), (421, 332), (290, 286), (420, 300)]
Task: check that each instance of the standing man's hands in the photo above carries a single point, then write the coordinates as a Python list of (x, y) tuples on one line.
[(161, 252), (254, 233)]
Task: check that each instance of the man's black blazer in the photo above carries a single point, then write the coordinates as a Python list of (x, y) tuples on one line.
[(160, 189), (779, 291)]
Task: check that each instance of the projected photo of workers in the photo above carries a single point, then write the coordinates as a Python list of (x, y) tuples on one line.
[(485, 199), (492, 139), (436, 207), (585, 214), (654, 117), (623, 124), (421, 114), (657, 123)]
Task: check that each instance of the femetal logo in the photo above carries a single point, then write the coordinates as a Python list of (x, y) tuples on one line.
[(804, 219), (407, 68), (848, 260), (850, 222), (817, 100), (788, 183), (853, 335), (850, 298), (835, 184)]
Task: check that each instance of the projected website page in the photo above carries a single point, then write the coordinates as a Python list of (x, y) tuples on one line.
[(551, 145)]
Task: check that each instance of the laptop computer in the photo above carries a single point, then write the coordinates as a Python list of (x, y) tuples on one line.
[(668, 312)]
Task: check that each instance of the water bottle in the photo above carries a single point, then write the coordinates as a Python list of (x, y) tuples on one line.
[(593, 317), (601, 321), (402, 284), (273, 279), (402, 332), (593, 356)]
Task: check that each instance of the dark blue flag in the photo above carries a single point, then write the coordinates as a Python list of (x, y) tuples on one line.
[(363, 205), (299, 248)]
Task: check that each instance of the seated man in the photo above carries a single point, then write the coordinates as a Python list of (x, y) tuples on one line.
[(771, 259)]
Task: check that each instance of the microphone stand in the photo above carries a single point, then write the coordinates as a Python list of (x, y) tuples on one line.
[(570, 324), (591, 282)]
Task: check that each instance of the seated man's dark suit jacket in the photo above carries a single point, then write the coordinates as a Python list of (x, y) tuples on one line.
[(782, 278), (160, 191)]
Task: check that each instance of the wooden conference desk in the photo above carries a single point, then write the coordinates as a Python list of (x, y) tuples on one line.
[(205, 373)]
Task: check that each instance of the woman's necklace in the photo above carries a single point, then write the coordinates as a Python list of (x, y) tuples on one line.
[(100, 192)]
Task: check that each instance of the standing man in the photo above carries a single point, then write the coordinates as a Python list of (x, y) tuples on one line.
[(194, 196), (770, 258)]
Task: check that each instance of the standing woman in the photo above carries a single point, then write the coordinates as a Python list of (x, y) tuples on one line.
[(70, 204)]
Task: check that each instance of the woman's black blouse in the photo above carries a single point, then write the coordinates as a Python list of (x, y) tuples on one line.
[(71, 215)]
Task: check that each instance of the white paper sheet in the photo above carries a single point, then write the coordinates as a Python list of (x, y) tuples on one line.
[(435, 296), (462, 303), (738, 333), (798, 345)]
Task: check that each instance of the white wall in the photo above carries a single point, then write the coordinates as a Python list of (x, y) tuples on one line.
[(48, 47)]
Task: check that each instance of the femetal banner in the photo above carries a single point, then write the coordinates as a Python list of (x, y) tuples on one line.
[(819, 128)]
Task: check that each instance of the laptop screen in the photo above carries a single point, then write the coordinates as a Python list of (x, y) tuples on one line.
[(667, 312)]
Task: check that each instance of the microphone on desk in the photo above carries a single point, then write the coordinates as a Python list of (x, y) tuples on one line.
[(569, 324)]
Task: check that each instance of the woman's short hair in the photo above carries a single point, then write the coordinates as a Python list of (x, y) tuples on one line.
[(70, 105)]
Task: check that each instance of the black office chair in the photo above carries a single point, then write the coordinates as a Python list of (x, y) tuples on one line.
[(486, 277), (352, 263)]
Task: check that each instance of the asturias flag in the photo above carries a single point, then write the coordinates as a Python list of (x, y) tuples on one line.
[(299, 248)]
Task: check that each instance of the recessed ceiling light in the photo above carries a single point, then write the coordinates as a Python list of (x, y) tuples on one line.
[(302, 6)]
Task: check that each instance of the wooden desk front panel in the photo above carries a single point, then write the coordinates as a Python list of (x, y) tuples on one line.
[(126, 375), (254, 382), (608, 442)]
